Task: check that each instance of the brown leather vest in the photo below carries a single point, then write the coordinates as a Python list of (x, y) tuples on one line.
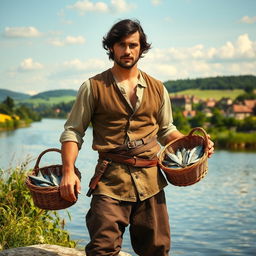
[(115, 122)]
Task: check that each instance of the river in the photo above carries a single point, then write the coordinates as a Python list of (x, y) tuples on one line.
[(213, 217)]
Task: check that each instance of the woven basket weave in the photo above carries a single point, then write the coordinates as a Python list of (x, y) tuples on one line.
[(48, 198), (190, 174)]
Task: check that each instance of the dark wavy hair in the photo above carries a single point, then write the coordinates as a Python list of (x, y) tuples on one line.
[(122, 29)]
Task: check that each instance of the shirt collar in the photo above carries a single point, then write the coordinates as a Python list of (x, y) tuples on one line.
[(141, 80)]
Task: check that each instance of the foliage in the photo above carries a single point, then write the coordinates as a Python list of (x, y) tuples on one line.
[(17, 115), (233, 140), (21, 223), (245, 96), (215, 83), (248, 124), (181, 122)]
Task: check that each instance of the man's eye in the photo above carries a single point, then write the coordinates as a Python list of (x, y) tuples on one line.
[(133, 45)]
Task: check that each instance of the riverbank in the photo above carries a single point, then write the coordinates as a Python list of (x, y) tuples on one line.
[(231, 140), (13, 125)]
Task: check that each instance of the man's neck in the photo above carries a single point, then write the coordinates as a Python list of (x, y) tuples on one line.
[(122, 74)]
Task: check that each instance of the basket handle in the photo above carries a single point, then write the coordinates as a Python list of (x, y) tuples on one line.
[(200, 129), (40, 156)]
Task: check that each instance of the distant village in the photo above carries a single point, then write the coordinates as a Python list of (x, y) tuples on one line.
[(228, 107)]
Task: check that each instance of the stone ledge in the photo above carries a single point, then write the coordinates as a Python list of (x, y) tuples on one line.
[(46, 250)]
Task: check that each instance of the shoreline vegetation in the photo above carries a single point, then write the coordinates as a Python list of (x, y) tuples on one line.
[(13, 116), (9, 123), (23, 224)]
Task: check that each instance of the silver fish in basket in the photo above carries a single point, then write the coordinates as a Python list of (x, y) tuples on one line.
[(183, 157), (45, 180)]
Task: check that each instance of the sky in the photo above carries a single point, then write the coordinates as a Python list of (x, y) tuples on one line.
[(57, 44)]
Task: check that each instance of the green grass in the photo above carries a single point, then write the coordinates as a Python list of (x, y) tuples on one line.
[(22, 223), (216, 94), (49, 101)]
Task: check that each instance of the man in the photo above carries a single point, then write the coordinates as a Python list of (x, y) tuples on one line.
[(128, 110)]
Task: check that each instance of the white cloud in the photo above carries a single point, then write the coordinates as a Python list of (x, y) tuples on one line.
[(245, 46), (248, 20), (21, 32), (90, 64), (89, 6), (156, 2), (242, 48), (118, 6), (75, 40), (226, 51), (29, 65), (69, 40), (238, 57)]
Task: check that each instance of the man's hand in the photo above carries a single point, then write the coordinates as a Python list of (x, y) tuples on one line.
[(70, 186), (70, 183), (210, 146)]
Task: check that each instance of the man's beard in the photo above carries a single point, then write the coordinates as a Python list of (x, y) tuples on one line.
[(126, 65)]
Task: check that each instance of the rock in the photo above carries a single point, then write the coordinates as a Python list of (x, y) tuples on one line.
[(46, 250)]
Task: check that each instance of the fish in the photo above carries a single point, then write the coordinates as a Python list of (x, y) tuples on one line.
[(198, 153), (192, 151), (183, 157), (38, 180), (171, 164), (174, 158), (179, 154), (55, 179)]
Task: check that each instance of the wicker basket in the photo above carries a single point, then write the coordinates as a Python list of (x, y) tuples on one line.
[(48, 198), (190, 174)]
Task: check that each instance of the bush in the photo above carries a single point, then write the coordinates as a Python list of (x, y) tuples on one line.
[(23, 224)]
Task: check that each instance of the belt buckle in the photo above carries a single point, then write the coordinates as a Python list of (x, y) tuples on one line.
[(131, 144)]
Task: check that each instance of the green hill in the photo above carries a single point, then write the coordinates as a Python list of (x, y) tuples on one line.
[(45, 98), (54, 94), (207, 94), (48, 101), (15, 95), (212, 83)]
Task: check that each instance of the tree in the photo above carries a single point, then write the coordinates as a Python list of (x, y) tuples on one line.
[(217, 119), (180, 121), (9, 102), (198, 120), (249, 89)]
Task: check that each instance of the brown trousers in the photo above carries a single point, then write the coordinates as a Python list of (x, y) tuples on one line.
[(149, 226)]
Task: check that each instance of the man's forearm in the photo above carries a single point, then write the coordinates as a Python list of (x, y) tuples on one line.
[(70, 183), (69, 153)]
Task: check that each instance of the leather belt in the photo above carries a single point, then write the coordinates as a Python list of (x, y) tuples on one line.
[(133, 144), (132, 161)]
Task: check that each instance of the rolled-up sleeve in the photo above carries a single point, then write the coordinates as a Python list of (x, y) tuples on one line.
[(165, 119), (79, 117)]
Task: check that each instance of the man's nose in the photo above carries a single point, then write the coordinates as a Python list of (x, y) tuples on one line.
[(127, 50)]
